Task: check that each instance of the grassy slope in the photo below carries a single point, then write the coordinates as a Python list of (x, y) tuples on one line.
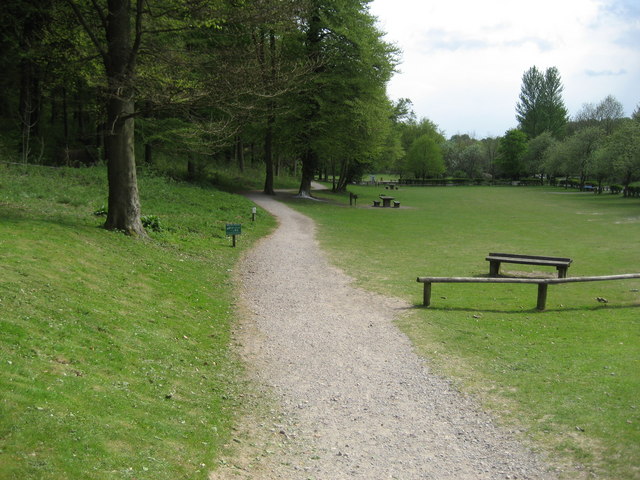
[(114, 351), (569, 375)]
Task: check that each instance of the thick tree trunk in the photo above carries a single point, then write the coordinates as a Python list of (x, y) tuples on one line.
[(124, 204), (309, 165)]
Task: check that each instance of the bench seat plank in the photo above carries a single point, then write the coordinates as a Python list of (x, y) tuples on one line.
[(495, 259)]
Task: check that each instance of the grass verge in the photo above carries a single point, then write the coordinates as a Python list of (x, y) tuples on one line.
[(569, 375), (114, 351)]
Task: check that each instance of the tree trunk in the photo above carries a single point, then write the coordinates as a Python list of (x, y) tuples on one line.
[(333, 175), (310, 158), (268, 153), (148, 154), (240, 153), (65, 118), (271, 118), (191, 168), (124, 203), (342, 181), (309, 165), (27, 109)]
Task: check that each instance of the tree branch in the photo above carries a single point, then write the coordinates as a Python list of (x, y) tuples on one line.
[(88, 30), (138, 37), (103, 18)]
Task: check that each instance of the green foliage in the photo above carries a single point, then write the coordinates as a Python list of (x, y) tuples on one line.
[(101, 212), (580, 152), (114, 350), (424, 158), (540, 107), (623, 148), (511, 151), (567, 376), (606, 114), (151, 222), (343, 112), (537, 148), (466, 157)]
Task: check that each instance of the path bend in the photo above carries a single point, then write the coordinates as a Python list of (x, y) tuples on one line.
[(355, 399)]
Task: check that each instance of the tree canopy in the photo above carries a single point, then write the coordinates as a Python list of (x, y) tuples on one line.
[(288, 82), (511, 153), (540, 107), (424, 158)]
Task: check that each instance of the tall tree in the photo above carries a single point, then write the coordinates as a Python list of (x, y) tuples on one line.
[(535, 155), (176, 78), (511, 151), (607, 113), (623, 147), (344, 95), (424, 158), (491, 146), (541, 107), (24, 57), (582, 147), (109, 26)]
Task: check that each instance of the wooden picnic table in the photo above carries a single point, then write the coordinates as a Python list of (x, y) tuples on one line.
[(386, 200)]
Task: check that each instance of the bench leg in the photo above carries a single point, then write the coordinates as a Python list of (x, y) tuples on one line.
[(542, 296), (494, 268), (562, 272), (426, 297)]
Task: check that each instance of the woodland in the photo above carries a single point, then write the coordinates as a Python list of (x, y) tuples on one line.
[(291, 86), (283, 82)]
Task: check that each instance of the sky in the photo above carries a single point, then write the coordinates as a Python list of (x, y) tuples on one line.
[(462, 61)]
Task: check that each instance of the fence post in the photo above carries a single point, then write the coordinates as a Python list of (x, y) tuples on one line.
[(542, 296), (426, 297)]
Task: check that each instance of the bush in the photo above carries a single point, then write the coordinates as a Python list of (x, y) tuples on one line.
[(151, 222)]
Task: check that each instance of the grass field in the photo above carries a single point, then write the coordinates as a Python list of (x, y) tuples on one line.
[(569, 376), (114, 351)]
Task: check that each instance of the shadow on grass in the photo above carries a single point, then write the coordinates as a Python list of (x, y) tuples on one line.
[(24, 217), (523, 311)]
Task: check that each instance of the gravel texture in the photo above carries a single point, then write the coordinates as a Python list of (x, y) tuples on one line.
[(353, 400)]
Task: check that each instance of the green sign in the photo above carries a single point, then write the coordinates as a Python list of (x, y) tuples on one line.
[(233, 229)]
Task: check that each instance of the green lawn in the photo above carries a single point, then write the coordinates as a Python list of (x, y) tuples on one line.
[(114, 351), (569, 376)]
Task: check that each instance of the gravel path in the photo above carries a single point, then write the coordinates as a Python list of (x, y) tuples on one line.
[(354, 400)]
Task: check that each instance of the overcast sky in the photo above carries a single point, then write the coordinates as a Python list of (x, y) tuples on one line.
[(463, 60)]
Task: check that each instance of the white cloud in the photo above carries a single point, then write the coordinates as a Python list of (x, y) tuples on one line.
[(463, 60)]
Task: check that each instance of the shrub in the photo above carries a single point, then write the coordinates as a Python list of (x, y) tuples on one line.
[(151, 222)]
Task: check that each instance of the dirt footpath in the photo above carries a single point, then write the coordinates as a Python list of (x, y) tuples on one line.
[(353, 399)]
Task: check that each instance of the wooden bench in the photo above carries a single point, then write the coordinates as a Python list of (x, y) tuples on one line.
[(542, 283), (495, 259), (396, 204), (376, 203)]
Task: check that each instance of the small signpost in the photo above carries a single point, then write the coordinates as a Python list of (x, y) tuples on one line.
[(233, 229)]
